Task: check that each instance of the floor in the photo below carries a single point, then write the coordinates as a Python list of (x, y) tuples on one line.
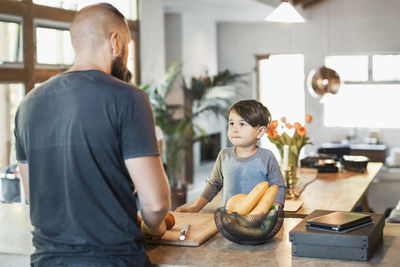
[(384, 192), (7, 260)]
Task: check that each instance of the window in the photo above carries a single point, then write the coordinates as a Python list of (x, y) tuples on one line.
[(132, 60), (126, 7), (364, 105), (365, 101), (10, 42), (10, 97), (281, 89), (349, 68), (53, 46), (386, 68), (35, 43)]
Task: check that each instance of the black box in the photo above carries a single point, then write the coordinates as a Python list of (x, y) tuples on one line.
[(355, 245)]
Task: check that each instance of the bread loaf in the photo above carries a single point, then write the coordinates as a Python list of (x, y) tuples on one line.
[(251, 200), (265, 203), (234, 201)]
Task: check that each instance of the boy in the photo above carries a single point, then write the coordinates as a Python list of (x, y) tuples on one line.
[(240, 168)]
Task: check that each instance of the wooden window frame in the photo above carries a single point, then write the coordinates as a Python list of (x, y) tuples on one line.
[(30, 73)]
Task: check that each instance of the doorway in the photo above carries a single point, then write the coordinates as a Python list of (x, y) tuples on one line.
[(280, 87)]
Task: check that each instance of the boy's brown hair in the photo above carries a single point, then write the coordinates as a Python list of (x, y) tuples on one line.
[(252, 111)]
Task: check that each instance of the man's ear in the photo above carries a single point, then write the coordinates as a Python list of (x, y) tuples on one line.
[(261, 132), (115, 44)]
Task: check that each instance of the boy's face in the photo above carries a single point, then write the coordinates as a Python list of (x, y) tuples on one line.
[(241, 133)]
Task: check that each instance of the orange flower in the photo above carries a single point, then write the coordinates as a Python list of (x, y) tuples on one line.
[(301, 131), (273, 124), (283, 119), (308, 118), (296, 125), (273, 133), (289, 126)]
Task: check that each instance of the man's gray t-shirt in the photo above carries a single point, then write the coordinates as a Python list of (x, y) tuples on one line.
[(75, 131), (236, 175)]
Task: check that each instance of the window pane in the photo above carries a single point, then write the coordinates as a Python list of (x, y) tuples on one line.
[(10, 42), (376, 106), (53, 46), (10, 97), (349, 68), (126, 7), (386, 68)]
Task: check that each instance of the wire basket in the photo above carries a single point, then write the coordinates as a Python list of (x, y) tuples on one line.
[(250, 229)]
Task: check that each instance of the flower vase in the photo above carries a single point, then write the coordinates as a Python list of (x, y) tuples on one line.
[(293, 164)]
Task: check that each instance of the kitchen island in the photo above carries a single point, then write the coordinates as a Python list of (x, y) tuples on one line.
[(15, 243), (219, 251)]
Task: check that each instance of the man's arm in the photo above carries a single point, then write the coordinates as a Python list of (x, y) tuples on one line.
[(24, 171), (151, 184)]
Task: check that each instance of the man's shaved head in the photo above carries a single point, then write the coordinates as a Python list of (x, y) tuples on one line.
[(100, 37), (95, 23)]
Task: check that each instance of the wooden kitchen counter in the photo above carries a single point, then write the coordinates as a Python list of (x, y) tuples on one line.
[(15, 240), (219, 251), (341, 191)]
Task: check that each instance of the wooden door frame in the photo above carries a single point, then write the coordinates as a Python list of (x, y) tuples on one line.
[(258, 58)]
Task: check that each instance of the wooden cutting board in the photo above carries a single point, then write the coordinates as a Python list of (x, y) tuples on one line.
[(202, 227)]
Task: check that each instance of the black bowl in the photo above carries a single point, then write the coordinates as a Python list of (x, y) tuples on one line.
[(248, 230), (355, 163)]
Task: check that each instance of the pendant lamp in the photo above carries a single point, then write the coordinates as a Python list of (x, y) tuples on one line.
[(285, 12), (323, 81)]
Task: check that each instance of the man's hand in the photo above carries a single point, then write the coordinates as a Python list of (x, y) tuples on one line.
[(154, 234)]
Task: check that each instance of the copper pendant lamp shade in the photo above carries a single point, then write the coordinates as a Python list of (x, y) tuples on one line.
[(324, 80)]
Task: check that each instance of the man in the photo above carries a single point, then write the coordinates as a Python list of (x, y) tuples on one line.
[(85, 140)]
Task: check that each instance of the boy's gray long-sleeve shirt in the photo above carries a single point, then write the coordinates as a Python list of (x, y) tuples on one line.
[(236, 175)]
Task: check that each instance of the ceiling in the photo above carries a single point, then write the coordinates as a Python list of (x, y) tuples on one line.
[(221, 10), (303, 3), (231, 10)]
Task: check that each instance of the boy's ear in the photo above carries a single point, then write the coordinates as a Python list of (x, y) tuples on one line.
[(261, 132)]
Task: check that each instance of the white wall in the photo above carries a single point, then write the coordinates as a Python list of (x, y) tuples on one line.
[(152, 48), (173, 39), (332, 27), (198, 46)]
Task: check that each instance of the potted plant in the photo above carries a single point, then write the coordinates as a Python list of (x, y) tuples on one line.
[(206, 95)]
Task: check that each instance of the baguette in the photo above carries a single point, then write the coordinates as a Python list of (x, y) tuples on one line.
[(234, 201), (251, 200), (265, 203)]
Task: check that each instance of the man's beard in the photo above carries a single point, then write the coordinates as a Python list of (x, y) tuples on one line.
[(119, 70)]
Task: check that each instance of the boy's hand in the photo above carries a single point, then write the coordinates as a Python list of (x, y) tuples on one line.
[(188, 209), (198, 205)]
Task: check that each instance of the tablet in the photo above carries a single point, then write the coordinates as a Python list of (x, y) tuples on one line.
[(339, 221)]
